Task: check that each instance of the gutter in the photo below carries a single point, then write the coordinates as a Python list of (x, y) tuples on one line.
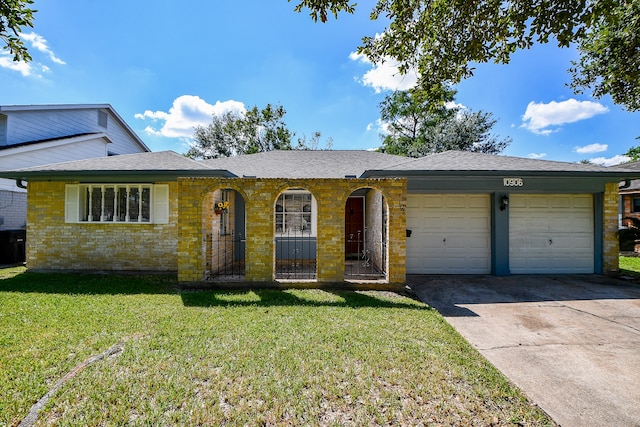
[(19, 184)]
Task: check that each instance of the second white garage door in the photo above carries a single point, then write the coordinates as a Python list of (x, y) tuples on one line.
[(551, 233), (450, 234)]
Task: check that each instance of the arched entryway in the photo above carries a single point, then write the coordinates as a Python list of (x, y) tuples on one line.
[(224, 227), (366, 235), (295, 235)]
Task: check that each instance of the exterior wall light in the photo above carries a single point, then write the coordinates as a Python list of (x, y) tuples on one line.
[(504, 202)]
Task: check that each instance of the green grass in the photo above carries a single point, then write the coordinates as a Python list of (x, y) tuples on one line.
[(630, 266), (268, 357)]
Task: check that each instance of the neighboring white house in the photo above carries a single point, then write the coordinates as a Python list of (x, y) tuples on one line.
[(33, 135)]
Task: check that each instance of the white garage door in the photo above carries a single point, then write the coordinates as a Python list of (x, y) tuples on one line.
[(451, 234), (551, 233)]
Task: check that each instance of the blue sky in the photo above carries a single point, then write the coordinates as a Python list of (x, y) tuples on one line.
[(166, 66)]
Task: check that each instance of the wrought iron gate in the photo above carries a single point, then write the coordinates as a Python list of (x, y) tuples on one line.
[(371, 260)]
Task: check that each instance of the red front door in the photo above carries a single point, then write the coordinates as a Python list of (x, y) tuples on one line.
[(354, 226)]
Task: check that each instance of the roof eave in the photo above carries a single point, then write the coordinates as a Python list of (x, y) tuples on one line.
[(114, 176), (612, 175)]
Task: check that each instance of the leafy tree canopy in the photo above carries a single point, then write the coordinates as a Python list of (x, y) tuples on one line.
[(633, 153), (415, 127), (14, 15), (257, 130), (441, 39)]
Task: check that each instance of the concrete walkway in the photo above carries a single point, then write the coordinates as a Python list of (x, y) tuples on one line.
[(571, 343)]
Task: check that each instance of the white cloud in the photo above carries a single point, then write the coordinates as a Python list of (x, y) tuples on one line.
[(23, 68), (539, 117), (384, 76), (592, 148), (40, 43), (32, 69), (537, 155), (185, 114), (611, 161)]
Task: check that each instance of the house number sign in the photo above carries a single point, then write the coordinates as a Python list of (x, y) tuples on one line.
[(512, 182)]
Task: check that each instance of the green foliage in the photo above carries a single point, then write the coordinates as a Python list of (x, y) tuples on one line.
[(255, 131), (441, 39), (633, 153), (14, 15), (313, 142), (610, 60), (415, 126), (233, 133)]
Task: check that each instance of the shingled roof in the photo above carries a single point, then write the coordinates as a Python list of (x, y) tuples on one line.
[(312, 164), (157, 164), (464, 161), (306, 163)]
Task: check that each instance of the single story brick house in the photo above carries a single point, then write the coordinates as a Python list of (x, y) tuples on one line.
[(322, 216)]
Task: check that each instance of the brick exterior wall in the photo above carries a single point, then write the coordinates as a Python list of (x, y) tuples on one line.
[(260, 196), (53, 244), (611, 246)]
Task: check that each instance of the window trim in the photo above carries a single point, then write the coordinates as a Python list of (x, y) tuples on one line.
[(314, 214), (158, 202)]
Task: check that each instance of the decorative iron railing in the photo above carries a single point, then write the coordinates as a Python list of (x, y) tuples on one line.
[(227, 256), (295, 256), (370, 260)]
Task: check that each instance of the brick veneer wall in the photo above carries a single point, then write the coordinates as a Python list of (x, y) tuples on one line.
[(53, 244), (260, 196), (611, 246)]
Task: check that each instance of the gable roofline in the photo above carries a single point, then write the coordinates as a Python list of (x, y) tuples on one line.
[(451, 163), (138, 167), (22, 147), (53, 107)]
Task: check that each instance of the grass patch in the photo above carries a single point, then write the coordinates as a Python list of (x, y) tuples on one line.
[(630, 266), (268, 357)]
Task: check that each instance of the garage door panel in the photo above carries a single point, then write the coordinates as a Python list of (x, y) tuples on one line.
[(450, 234), (551, 234)]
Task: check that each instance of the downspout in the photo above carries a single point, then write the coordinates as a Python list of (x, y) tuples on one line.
[(627, 183), (20, 184)]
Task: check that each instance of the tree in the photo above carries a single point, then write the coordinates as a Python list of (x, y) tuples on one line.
[(441, 39), (313, 143), (255, 131), (416, 127), (234, 133), (633, 153), (14, 15)]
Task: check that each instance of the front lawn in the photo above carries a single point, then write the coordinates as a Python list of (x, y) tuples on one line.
[(268, 357), (630, 266)]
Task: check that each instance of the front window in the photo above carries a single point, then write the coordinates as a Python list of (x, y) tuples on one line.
[(295, 213), (635, 204), (115, 203)]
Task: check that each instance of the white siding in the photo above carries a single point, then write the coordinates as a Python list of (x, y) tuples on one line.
[(122, 141), (13, 210), (36, 125), (25, 126), (3, 130), (64, 153)]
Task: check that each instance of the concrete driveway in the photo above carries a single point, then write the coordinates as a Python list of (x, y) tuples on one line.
[(571, 343)]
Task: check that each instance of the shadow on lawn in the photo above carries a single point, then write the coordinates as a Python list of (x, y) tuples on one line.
[(110, 284), (73, 283), (274, 298)]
